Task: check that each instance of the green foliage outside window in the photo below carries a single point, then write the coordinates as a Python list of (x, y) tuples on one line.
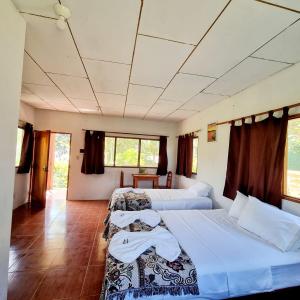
[(127, 151), (195, 155)]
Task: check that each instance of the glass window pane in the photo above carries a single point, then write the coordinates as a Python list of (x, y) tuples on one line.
[(20, 136), (195, 155), (127, 152), (149, 153), (293, 159), (109, 151)]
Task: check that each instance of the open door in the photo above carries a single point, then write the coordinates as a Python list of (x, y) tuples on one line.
[(40, 168)]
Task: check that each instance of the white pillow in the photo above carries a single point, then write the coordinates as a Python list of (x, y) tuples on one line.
[(238, 205), (270, 223), (200, 189)]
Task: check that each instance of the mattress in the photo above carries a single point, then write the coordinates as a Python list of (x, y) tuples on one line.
[(172, 199), (230, 261)]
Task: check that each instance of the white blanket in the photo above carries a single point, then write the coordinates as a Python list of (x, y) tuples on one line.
[(168, 199), (123, 218), (229, 260), (128, 246)]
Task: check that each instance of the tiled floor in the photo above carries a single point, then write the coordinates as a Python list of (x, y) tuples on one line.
[(58, 252)]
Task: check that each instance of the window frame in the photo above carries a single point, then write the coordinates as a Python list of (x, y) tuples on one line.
[(196, 137), (23, 128), (139, 152), (285, 196)]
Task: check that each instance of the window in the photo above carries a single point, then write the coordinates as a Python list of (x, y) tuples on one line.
[(127, 152), (20, 135), (149, 153), (109, 151), (292, 172), (195, 155), (131, 152)]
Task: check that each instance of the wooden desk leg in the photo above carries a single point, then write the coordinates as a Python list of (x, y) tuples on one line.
[(135, 183), (155, 183)]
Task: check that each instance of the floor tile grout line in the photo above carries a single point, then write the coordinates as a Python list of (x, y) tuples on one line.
[(84, 279)]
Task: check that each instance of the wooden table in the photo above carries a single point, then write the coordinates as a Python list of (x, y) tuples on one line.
[(145, 177)]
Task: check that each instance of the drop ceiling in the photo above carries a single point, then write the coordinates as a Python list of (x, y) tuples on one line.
[(153, 59)]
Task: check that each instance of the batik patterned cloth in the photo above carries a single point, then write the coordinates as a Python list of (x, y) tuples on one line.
[(149, 275), (126, 201)]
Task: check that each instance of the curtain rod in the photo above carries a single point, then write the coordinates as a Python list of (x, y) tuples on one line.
[(131, 133), (258, 114), (196, 131)]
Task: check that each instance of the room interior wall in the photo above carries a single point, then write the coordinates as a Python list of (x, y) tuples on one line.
[(92, 187), (12, 37), (26, 114), (274, 92)]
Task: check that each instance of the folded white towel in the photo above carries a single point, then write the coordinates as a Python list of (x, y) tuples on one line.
[(124, 218), (128, 246)]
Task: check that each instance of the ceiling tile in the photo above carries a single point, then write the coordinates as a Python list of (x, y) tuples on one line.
[(285, 47), (37, 7), (84, 104), (163, 107), (32, 73), (66, 107), (242, 28), (247, 73), (143, 95), (184, 21), (113, 111), (111, 100), (52, 48), (292, 4), (180, 114), (202, 101), (156, 61), (185, 86), (35, 101), (48, 93), (74, 87), (105, 30), (136, 111), (108, 77)]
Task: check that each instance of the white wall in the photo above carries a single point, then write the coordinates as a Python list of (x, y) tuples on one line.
[(90, 187), (277, 91), (26, 114), (12, 34)]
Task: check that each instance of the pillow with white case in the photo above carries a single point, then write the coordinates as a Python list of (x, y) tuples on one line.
[(200, 189), (271, 224), (238, 205)]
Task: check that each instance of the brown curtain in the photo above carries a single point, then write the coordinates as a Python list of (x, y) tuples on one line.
[(27, 150), (162, 168), (185, 155), (93, 157), (256, 159)]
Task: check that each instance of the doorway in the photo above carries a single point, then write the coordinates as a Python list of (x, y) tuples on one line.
[(58, 166)]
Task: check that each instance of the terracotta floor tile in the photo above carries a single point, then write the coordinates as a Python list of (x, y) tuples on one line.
[(93, 281), (61, 283), (21, 242), (35, 260), (15, 256), (49, 242), (22, 285), (76, 257)]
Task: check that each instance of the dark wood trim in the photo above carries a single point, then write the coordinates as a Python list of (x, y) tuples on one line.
[(292, 199), (292, 117), (128, 133)]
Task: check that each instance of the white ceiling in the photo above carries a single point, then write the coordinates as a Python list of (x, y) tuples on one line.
[(163, 60)]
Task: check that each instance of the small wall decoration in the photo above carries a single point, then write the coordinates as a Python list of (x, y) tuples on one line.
[(212, 132)]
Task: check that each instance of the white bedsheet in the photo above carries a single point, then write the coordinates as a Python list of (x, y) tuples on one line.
[(173, 199), (229, 261)]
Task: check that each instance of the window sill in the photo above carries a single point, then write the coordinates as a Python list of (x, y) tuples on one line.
[(292, 199), (128, 167)]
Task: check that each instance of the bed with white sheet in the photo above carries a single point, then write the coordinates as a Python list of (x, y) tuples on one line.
[(196, 197), (229, 260)]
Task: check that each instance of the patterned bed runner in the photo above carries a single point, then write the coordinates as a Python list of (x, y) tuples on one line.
[(149, 275)]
